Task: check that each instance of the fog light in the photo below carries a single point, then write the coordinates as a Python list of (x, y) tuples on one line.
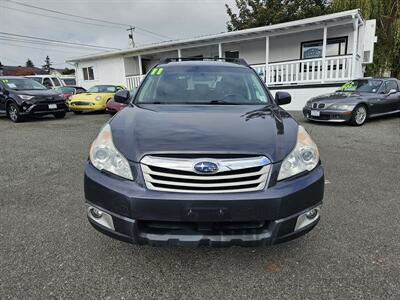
[(312, 214), (100, 217), (307, 218), (24, 107), (96, 213)]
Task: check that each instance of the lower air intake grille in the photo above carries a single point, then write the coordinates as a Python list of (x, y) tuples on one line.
[(81, 103), (179, 175)]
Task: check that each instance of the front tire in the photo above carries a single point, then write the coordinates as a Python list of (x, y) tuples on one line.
[(359, 115), (13, 113), (60, 115)]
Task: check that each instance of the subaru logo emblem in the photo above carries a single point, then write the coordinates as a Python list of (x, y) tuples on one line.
[(206, 167)]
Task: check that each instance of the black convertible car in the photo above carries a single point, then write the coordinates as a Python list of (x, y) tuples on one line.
[(357, 101)]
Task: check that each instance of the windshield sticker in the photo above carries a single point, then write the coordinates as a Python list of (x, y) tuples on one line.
[(157, 71), (4, 80), (347, 86), (11, 85)]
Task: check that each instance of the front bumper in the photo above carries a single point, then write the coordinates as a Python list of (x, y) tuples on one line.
[(327, 115), (42, 109), (92, 107), (142, 216), (111, 110)]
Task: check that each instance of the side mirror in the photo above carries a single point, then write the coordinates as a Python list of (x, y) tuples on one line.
[(122, 96), (392, 91), (282, 98)]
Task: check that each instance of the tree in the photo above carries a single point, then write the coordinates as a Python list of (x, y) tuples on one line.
[(387, 15), (29, 64), (255, 13), (47, 65), (67, 71)]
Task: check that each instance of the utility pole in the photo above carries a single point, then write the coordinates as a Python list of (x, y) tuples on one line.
[(131, 41)]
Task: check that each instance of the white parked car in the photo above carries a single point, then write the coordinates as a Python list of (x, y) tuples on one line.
[(52, 81), (68, 80)]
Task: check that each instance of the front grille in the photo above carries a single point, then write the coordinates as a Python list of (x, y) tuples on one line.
[(318, 105), (45, 100), (178, 175), (82, 103), (181, 228)]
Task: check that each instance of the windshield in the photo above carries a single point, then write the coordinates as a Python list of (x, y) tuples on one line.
[(67, 90), (202, 85), (22, 84), (69, 81), (102, 89), (365, 85)]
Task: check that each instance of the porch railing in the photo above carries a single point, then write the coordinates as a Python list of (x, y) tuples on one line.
[(133, 81), (337, 68), (317, 70)]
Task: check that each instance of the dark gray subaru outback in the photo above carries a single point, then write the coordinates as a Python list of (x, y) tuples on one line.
[(203, 155)]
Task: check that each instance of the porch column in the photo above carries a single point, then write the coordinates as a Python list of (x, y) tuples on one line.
[(220, 50), (324, 66), (355, 49), (179, 54), (266, 59), (140, 64)]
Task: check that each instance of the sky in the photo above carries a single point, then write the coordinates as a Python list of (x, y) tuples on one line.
[(170, 19)]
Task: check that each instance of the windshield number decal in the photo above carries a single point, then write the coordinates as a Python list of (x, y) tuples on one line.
[(157, 71), (347, 86)]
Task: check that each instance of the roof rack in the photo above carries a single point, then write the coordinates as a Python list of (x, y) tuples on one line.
[(239, 61)]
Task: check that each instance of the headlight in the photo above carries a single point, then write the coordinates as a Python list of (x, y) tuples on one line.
[(304, 156), (342, 106), (308, 104), (98, 98), (104, 155), (25, 97)]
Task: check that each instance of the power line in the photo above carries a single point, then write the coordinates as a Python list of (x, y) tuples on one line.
[(57, 41), (59, 18), (33, 42), (42, 49), (148, 31), (67, 14), (86, 18), (69, 20)]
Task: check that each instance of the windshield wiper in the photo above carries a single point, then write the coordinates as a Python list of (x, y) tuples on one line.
[(222, 102)]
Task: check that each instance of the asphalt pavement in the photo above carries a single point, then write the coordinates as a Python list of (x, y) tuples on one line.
[(48, 250)]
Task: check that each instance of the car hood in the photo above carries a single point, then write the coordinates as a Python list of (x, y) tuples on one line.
[(342, 97), (204, 129), (41, 95), (37, 92)]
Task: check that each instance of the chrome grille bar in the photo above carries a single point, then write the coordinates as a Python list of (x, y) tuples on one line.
[(179, 175)]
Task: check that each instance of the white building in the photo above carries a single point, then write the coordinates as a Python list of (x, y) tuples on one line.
[(306, 58)]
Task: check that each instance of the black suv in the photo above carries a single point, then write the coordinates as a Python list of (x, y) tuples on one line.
[(20, 97), (203, 155)]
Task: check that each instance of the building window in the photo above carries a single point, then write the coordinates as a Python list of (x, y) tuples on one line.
[(232, 54), (88, 73), (334, 47)]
